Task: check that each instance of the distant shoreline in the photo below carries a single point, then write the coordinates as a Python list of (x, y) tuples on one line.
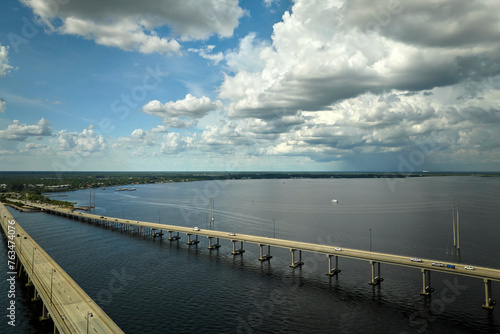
[(44, 182)]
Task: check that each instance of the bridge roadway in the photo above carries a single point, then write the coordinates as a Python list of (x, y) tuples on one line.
[(426, 266), (70, 308)]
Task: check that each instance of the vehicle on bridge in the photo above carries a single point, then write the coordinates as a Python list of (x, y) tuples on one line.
[(450, 266), (437, 264), (416, 259)]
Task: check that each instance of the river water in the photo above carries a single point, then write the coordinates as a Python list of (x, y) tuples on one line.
[(154, 286)]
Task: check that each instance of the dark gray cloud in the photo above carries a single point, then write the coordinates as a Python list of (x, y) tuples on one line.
[(444, 23)]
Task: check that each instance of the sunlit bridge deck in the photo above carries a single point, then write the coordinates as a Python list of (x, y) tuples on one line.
[(375, 259), (63, 301)]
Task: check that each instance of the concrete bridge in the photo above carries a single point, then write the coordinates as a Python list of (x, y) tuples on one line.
[(375, 259), (63, 301)]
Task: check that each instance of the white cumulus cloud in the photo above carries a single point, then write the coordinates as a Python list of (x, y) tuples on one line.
[(83, 143), (5, 68), (3, 105), (190, 106), (20, 132), (326, 51), (131, 25)]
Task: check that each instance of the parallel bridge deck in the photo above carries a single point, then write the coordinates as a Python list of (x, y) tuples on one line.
[(478, 272), (70, 308)]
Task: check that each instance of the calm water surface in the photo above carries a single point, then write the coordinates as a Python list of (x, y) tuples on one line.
[(151, 286)]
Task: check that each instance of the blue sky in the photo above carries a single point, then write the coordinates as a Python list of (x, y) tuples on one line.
[(327, 85)]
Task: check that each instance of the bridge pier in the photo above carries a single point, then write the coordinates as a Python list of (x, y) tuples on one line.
[(157, 234), (266, 257), (45, 313), (36, 295), (190, 242), (237, 251), (296, 263), (175, 237), (489, 302), (375, 279), (214, 246), (29, 283), (426, 283), (336, 270)]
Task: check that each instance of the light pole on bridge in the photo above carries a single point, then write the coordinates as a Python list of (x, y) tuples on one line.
[(274, 229), (89, 315), (51, 280), (370, 239)]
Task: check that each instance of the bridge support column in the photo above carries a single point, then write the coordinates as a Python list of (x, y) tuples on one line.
[(214, 246), (175, 237), (296, 263), (29, 283), (266, 257), (336, 270), (489, 302), (375, 279), (45, 313), (190, 242), (237, 251), (157, 234), (426, 283), (36, 295)]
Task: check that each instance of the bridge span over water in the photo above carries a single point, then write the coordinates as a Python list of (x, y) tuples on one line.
[(487, 275), (63, 301)]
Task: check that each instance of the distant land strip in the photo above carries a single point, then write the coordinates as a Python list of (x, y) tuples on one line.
[(47, 182)]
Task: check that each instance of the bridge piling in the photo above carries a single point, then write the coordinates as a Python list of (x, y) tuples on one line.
[(334, 271), (175, 237), (45, 313), (489, 302), (237, 251), (214, 246), (375, 279), (36, 295), (426, 283), (296, 263), (487, 274), (157, 234), (190, 242), (266, 257)]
